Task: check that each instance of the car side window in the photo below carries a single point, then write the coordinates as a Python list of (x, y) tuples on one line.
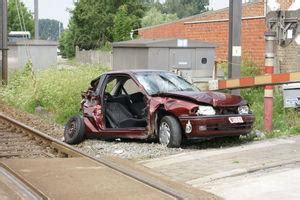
[(111, 86), (131, 87)]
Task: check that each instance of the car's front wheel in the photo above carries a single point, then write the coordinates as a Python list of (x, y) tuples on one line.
[(74, 130), (170, 133)]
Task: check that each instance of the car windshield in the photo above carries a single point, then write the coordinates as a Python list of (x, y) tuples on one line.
[(163, 82)]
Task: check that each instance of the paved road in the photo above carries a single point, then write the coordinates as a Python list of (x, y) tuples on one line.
[(251, 165), (271, 184)]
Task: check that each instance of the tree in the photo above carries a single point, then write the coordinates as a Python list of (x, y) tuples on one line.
[(184, 8), (154, 16), (123, 24), (50, 29), (91, 22), (19, 17), (67, 42)]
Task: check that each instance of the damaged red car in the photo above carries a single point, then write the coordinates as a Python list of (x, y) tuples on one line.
[(161, 105)]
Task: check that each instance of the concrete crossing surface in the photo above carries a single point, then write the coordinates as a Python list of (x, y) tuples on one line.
[(259, 170)]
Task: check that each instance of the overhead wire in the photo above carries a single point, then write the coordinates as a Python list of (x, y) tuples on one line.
[(23, 28), (28, 54)]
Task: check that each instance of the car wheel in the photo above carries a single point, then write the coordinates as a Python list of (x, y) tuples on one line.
[(74, 130), (170, 133)]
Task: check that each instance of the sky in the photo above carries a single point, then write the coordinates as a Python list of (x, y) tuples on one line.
[(52, 9), (57, 9), (217, 4)]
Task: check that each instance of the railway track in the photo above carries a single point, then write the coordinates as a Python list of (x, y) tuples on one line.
[(16, 143), (23, 149), (20, 141)]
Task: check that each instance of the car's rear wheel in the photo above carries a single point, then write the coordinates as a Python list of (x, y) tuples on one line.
[(74, 130), (170, 133)]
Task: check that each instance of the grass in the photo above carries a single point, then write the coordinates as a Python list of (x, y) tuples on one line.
[(285, 121), (56, 90)]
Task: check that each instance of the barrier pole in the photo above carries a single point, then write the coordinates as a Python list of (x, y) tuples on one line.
[(269, 68)]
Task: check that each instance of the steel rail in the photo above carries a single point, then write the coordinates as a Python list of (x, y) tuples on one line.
[(69, 151)]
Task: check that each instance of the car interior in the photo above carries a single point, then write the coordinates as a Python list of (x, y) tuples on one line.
[(124, 104)]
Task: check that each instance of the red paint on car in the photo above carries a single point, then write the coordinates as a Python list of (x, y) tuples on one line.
[(135, 104)]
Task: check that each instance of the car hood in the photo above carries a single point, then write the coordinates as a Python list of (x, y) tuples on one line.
[(216, 99)]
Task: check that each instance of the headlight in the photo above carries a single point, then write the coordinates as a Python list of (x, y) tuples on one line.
[(206, 110), (243, 110)]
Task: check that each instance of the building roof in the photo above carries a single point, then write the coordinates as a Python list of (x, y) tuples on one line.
[(164, 43), (25, 42)]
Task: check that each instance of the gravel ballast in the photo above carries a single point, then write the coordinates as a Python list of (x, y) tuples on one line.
[(129, 149)]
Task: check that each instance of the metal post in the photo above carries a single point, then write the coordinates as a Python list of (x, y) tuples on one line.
[(234, 40), (3, 41), (36, 19), (215, 71), (269, 68)]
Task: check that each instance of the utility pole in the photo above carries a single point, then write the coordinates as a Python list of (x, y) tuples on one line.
[(59, 29), (3, 41), (234, 41), (36, 19)]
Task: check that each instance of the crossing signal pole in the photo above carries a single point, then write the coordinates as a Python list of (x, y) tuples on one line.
[(3, 41)]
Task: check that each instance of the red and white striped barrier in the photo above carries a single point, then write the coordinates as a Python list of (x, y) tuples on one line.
[(270, 79)]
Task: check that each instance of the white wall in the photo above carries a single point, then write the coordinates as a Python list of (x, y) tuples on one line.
[(42, 56)]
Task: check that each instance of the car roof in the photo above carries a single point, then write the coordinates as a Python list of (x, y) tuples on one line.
[(129, 72), (135, 71)]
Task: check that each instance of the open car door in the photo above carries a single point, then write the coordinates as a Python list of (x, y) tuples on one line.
[(124, 108)]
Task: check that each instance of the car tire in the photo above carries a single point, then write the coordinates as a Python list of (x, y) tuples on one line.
[(74, 130), (170, 132)]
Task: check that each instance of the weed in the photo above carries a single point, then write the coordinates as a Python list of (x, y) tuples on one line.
[(56, 90)]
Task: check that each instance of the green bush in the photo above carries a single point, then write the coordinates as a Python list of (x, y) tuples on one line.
[(56, 90), (248, 68)]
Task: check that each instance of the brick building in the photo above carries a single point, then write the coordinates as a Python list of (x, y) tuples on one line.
[(212, 26)]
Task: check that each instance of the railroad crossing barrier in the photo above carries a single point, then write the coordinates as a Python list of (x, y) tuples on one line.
[(264, 80), (256, 81)]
